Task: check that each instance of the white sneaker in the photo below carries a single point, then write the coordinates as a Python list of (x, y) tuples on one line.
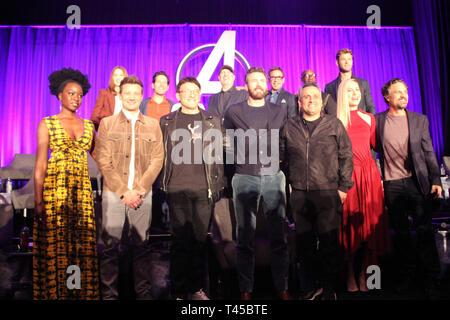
[(199, 295)]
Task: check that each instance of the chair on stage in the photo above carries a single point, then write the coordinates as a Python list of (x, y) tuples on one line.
[(446, 161), (95, 173), (23, 198), (21, 168)]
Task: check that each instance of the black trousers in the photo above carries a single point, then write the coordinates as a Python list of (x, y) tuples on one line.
[(317, 222), (403, 199), (190, 215)]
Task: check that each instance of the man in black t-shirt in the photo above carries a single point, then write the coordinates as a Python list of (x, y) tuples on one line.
[(258, 181), (193, 181)]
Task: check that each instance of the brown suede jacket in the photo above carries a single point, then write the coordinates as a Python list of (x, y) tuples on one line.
[(113, 148)]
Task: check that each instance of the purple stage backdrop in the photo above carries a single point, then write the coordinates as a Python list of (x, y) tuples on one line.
[(29, 54)]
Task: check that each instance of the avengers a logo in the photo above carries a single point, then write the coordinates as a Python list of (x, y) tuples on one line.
[(224, 47)]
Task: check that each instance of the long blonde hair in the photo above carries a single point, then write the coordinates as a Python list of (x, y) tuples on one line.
[(343, 105)]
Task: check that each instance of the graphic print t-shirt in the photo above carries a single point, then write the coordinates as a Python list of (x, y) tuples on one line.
[(187, 151)]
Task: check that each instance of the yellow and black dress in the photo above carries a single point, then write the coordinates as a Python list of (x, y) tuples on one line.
[(68, 236)]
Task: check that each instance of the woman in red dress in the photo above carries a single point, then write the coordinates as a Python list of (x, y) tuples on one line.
[(364, 222), (108, 102)]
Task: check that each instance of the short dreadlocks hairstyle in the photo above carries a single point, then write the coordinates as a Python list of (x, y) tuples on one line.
[(58, 80)]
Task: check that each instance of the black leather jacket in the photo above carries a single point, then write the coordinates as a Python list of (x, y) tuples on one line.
[(214, 172), (322, 161)]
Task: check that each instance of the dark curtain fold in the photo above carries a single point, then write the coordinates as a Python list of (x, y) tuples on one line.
[(431, 30), (444, 58)]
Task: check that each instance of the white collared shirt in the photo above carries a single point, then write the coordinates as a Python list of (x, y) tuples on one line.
[(117, 104), (133, 119)]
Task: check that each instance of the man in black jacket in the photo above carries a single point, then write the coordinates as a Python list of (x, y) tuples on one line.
[(319, 155), (344, 60), (193, 179), (218, 103), (411, 179)]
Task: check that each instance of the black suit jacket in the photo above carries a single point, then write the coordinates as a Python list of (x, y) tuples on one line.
[(288, 101), (329, 105), (236, 97), (366, 103), (426, 168)]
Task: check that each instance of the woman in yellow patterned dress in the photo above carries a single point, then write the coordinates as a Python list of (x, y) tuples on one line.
[(64, 227)]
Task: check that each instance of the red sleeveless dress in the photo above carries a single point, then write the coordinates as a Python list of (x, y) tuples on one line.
[(364, 217)]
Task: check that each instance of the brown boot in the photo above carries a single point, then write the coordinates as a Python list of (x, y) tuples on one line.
[(284, 295), (246, 296)]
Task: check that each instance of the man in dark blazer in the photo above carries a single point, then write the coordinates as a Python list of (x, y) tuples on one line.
[(344, 60), (411, 180), (218, 103), (278, 95)]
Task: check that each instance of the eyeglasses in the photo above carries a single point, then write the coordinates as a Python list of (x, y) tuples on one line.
[(187, 92), (276, 77), (310, 75)]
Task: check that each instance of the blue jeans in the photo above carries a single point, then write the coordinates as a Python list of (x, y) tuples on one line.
[(247, 193)]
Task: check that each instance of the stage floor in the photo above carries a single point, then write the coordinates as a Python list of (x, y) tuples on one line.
[(15, 275)]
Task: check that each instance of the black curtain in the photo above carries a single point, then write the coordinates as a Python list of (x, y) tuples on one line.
[(443, 11), (432, 32)]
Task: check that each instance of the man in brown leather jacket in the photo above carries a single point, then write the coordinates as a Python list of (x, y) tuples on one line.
[(129, 153)]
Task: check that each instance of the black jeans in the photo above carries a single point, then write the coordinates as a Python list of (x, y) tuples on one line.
[(403, 198), (190, 215), (317, 222)]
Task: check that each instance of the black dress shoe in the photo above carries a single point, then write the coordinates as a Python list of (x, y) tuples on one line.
[(432, 292), (403, 286), (401, 289), (328, 294)]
